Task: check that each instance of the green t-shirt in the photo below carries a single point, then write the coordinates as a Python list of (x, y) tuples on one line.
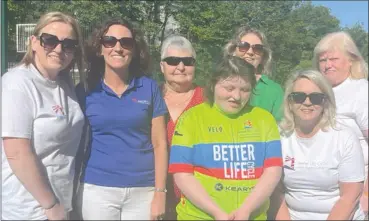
[(268, 95), (226, 154)]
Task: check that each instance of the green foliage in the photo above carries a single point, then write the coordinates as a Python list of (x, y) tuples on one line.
[(360, 37), (293, 28)]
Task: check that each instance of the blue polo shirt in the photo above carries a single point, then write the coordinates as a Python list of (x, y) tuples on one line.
[(121, 149)]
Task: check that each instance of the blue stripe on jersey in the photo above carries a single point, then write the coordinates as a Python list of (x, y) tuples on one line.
[(273, 149), (214, 155)]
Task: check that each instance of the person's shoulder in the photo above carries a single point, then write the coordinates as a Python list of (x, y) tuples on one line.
[(338, 132), (145, 79), (271, 83), (357, 85), (20, 75), (198, 110), (261, 113)]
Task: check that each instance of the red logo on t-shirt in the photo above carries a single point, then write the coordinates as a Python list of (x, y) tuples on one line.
[(58, 111), (289, 162)]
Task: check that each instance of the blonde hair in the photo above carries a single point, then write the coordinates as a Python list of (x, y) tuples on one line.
[(265, 66), (329, 106), (47, 19), (343, 42)]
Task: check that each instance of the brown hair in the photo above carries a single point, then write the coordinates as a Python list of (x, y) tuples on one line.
[(230, 66), (96, 65)]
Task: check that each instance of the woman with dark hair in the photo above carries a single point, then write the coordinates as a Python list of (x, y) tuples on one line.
[(251, 45), (124, 176), (226, 154)]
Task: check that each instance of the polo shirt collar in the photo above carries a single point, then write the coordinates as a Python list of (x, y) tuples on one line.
[(264, 79), (136, 82)]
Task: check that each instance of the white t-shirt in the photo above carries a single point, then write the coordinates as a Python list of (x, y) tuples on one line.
[(352, 109), (47, 113), (313, 168)]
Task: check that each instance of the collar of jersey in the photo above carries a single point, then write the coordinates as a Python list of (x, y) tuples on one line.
[(232, 116)]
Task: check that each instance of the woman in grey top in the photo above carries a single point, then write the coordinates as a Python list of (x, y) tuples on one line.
[(42, 123)]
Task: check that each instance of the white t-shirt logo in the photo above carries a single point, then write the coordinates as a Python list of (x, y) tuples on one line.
[(289, 163), (58, 111)]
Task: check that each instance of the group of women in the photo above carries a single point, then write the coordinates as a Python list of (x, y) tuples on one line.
[(121, 147)]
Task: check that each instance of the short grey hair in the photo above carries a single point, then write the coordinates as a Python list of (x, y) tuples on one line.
[(176, 41), (343, 42), (265, 66), (329, 106)]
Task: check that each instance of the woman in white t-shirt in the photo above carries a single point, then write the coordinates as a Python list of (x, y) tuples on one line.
[(340, 61), (42, 123), (323, 170)]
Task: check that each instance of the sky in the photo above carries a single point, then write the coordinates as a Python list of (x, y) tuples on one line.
[(348, 12)]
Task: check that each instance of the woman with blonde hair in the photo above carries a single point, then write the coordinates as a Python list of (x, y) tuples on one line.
[(251, 45), (323, 169), (42, 123), (339, 60)]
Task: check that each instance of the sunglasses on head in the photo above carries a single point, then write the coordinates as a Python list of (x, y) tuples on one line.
[(111, 41), (244, 46), (300, 97), (174, 61), (49, 42)]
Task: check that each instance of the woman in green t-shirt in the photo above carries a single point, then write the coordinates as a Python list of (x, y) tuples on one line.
[(251, 45)]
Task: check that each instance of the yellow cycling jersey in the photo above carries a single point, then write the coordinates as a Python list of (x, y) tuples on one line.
[(226, 153)]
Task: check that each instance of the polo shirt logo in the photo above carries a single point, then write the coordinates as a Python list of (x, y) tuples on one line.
[(58, 111), (140, 101)]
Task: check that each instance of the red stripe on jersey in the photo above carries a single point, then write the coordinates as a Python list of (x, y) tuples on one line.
[(233, 173), (273, 162), (180, 168)]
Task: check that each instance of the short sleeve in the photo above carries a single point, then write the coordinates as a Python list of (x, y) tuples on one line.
[(159, 106), (277, 110), (351, 166), (17, 112), (361, 108), (181, 152), (273, 150)]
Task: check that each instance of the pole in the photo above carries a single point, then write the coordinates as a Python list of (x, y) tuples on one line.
[(4, 36)]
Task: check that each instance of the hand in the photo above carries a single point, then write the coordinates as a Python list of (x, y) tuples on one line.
[(57, 212), (223, 216), (364, 203), (240, 215), (158, 206)]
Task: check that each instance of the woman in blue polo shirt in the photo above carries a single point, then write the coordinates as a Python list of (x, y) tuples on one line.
[(125, 172)]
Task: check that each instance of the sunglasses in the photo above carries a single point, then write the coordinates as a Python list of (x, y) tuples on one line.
[(111, 41), (244, 46), (49, 42), (174, 61), (300, 97)]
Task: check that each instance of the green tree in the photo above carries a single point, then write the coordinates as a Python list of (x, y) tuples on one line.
[(360, 36)]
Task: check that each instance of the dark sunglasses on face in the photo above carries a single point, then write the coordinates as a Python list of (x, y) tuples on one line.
[(174, 61), (300, 97), (49, 42), (111, 41), (244, 46)]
